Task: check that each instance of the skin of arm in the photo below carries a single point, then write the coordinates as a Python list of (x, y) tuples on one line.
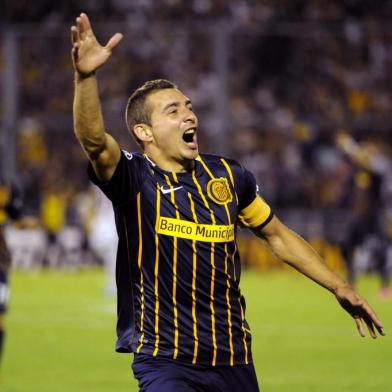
[(353, 150), (88, 55), (100, 147), (295, 251)]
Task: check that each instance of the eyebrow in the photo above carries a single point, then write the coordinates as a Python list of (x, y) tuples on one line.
[(176, 105)]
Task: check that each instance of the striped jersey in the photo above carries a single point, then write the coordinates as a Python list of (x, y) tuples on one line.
[(178, 268)]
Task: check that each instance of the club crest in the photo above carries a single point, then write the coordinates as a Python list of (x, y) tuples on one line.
[(218, 190)]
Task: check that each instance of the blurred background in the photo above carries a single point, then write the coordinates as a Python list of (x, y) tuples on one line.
[(298, 91)]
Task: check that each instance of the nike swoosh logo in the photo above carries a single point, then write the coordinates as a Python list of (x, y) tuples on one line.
[(168, 190)]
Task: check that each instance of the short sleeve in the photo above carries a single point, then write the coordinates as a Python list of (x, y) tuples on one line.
[(126, 180), (253, 210), (248, 189)]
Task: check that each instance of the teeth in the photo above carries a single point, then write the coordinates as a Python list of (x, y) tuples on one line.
[(189, 135)]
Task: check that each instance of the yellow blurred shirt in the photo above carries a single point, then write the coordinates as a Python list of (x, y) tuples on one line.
[(53, 210)]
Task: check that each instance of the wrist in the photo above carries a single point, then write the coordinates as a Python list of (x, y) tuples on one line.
[(79, 76), (340, 286)]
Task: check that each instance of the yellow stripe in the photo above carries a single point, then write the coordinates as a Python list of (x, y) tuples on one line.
[(139, 263), (243, 329), (233, 262), (212, 304), (203, 197), (175, 176), (206, 168), (156, 269), (174, 291), (229, 310), (212, 271), (194, 270), (228, 296), (235, 250), (230, 173)]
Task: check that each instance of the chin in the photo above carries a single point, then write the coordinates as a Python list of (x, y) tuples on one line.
[(192, 154)]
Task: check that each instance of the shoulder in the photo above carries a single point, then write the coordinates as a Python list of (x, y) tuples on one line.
[(134, 160), (218, 161), (213, 158), (135, 156)]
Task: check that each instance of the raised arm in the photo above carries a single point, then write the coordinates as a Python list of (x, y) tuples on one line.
[(366, 157), (294, 250), (353, 150), (88, 55)]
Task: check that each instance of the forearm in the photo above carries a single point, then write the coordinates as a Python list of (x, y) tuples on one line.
[(88, 120), (298, 253), (354, 151)]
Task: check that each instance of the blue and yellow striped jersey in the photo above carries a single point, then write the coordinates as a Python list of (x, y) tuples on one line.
[(178, 267)]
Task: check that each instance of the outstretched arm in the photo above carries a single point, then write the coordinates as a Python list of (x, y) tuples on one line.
[(353, 150), (366, 157), (87, 56), (294, 250)]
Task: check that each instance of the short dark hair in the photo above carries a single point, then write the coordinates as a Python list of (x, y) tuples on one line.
[(137, 111)]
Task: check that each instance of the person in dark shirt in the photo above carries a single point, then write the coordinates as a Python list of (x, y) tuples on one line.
[(371, 196), (180, 308), (10, 209)]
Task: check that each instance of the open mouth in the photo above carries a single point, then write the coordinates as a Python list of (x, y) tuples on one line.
[(189, 135)]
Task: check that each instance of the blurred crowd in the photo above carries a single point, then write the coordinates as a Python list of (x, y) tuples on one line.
[(300, 73)]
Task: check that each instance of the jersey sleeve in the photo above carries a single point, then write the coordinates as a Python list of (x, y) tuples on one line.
[(126, 180), (254, 211)]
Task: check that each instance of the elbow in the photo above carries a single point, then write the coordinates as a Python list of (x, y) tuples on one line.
[(94, 151), (93, 146)]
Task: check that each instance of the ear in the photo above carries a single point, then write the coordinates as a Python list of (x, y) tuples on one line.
[(143, 132)]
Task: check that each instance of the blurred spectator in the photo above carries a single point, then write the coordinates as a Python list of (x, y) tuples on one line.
[(298, 72), (53, 214), (368, 234)]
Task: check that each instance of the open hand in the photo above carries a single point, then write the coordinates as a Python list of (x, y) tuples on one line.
[(87, 53), (360, 310)]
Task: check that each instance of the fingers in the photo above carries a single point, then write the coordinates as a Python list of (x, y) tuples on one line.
[(358, 322), (75, 43), (114, 41), (86, 22), (85, 25), (74, 35), (366, 314), (370, 326), (74, 53), (360, 310), (372, 320), (380, 330), (81, 29)]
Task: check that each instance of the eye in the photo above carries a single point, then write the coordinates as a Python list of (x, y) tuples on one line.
[(174, 111)]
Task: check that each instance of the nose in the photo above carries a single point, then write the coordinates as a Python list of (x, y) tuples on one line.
[(190, 116)]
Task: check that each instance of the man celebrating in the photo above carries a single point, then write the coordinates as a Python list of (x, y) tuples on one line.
[(180, 309)]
